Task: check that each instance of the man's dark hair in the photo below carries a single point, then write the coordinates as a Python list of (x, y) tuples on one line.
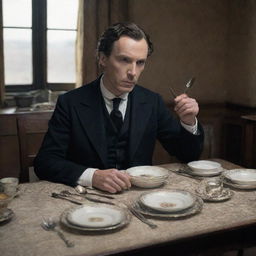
[(113, 33)]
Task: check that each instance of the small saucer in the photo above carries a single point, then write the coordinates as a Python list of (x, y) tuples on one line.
[(225, 195), (6, 215)]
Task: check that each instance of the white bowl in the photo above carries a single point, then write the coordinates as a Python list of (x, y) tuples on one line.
[(147, 176), (241, 176), (205, 167)]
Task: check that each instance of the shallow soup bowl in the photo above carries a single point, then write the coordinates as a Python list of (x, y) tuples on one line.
[(205, 167), (148, 176)]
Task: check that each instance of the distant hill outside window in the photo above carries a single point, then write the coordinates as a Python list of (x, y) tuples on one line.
[(39, 42)]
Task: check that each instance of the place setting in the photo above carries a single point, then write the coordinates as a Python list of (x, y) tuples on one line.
[(244, 179), (95, 218), (168, 203)]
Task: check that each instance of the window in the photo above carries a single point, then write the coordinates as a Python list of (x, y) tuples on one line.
[(39, 44)]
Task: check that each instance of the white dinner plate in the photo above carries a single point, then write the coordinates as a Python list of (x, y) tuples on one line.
[(168, 200), (241, 176), (95, 216), (205, 168), (196, 208)]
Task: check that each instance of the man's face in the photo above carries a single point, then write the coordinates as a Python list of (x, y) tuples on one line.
[(123, 67)]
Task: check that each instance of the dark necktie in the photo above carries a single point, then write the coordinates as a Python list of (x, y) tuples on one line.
[(116, 115)]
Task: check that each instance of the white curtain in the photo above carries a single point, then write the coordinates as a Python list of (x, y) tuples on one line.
[(2, 89)]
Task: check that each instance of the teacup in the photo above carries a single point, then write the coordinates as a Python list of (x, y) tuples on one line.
[(4, 201), (213, 187), (9, 186)]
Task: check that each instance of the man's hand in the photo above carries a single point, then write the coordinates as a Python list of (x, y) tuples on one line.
[(111, 180), (186, 108)]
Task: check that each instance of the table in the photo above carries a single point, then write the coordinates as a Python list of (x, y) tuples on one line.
[(234, 220)]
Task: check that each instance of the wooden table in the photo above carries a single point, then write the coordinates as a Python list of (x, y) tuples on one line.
[(218, 227)]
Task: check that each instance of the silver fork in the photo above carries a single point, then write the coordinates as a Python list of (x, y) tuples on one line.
[(50, 225), (140, 216)]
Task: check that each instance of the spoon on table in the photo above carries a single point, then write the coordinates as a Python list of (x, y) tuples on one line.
[(189, 84), (50, 225), (83, 191)]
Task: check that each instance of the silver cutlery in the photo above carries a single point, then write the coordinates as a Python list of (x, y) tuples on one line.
[(50, 225), (186, 174), (83, 191), (140, 216), (189, 84), (67, 197), (173, 93), (60, 196), (98, 200)]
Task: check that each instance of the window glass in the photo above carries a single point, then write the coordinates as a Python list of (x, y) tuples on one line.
[(62, 14), (61, 56), (18, 56), (17, 13)]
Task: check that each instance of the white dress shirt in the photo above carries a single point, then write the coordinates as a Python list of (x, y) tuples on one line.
[(86, 178)]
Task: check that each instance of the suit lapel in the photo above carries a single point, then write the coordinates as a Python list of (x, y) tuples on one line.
[(90, 114), (140, 112)]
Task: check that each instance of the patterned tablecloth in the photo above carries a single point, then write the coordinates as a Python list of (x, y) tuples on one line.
[(24, 236)]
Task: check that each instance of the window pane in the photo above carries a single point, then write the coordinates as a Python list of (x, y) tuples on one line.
[(18, 56), (61, 56), (62, 14), (17, 13)]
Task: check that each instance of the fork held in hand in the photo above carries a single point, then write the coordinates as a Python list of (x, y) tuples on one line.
[(173, 93), (189, 84)]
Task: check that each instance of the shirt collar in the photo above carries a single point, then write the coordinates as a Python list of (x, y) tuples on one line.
[(109, 95)]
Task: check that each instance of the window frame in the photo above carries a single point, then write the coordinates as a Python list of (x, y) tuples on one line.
[(39, 54)]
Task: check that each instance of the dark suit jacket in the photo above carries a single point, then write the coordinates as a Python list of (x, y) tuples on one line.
[(76, 138)]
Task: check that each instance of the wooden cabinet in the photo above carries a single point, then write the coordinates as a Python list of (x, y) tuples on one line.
[(249, 141), (9, 147), (21, 135), (239, 144)]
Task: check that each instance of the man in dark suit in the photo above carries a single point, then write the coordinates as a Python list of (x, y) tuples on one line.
[(113, 123)]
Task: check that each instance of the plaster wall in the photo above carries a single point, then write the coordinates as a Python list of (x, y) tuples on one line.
[(191, 40), (241, 74)]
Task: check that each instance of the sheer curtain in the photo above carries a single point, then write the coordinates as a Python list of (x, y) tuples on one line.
[(1, 59), (93, 18)]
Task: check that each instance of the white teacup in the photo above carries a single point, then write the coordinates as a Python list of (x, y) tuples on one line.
[(9, 186)]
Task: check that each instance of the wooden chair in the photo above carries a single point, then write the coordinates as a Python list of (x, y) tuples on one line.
[(31, 130)]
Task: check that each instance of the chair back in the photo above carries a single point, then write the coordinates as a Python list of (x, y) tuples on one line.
[(31, 130)]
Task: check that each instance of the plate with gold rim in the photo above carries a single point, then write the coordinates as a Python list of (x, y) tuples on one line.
[(168, 200), (239, 186), (195, 209), (95, 218)]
